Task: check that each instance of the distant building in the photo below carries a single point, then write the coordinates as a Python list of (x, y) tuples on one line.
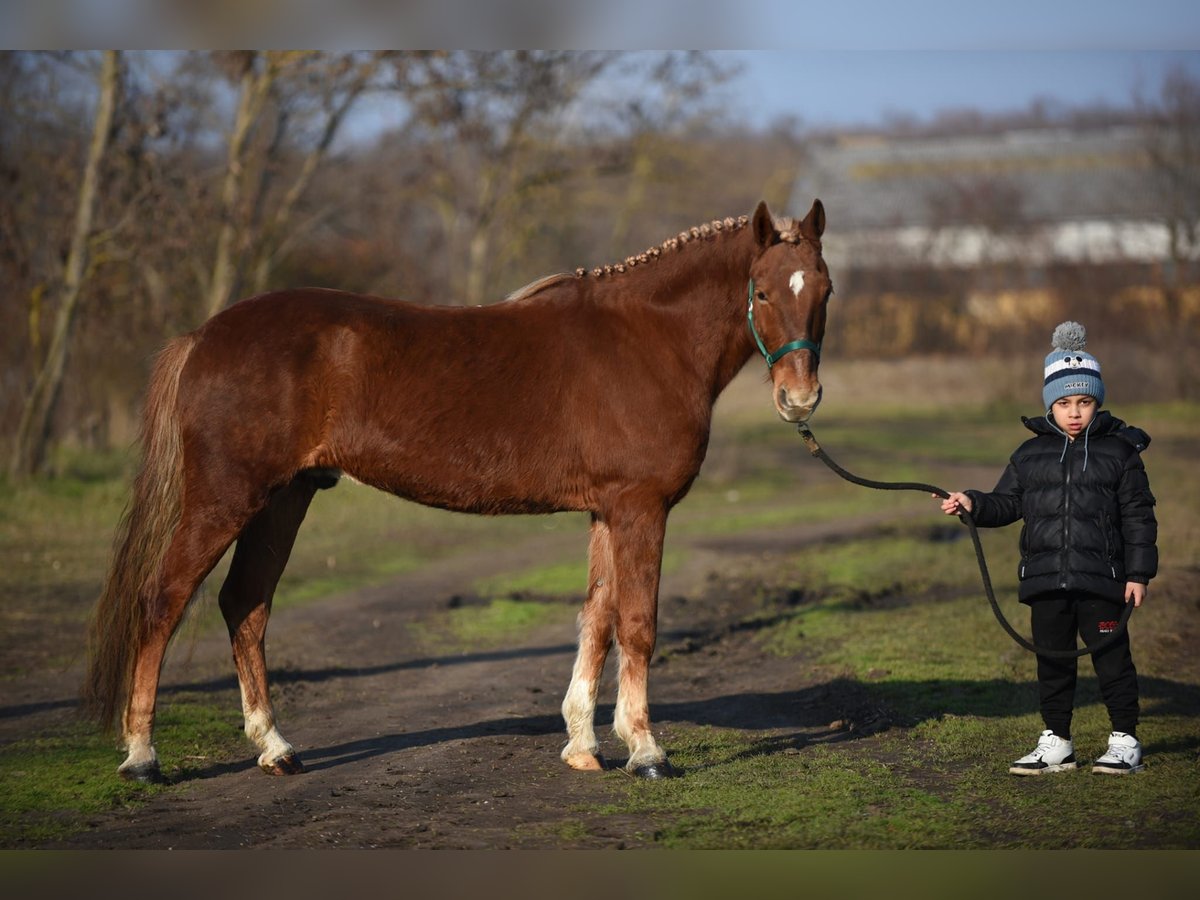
[(1037, 196)]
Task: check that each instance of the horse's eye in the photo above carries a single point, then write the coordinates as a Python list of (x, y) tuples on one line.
[(759, 295)]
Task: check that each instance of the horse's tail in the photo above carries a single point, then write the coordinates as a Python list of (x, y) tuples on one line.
[(118, 625)]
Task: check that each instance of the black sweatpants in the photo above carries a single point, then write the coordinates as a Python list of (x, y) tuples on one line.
[(1056, 618)]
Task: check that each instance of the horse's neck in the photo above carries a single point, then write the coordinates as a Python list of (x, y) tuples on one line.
[(715, 312), (692, 301)]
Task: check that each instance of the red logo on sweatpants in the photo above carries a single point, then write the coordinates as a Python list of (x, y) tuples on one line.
[(1108, 627)]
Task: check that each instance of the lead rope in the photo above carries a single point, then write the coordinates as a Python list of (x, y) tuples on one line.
[(815, 449)]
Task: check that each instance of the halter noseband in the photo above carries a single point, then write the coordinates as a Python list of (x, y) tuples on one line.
[(772, 358)]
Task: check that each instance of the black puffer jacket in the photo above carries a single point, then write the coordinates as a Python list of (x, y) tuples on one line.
[(1087, 508)]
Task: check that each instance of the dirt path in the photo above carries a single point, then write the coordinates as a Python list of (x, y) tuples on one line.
[(407, 750)]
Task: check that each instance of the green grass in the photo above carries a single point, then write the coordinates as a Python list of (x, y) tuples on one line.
[(567, 579), (53, 782), (740, 795), (877, 600), (503, 621), (558, 579), (962, 703), (925, 788)]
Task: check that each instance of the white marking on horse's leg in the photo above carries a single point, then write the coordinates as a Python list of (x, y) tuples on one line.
[(631, 720), (582, 750), (139, 753), (579, 704), (137, 734), (796, 282), (578, 710), (260, 728)]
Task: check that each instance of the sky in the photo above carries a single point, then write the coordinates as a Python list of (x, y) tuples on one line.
[(855, 62), (825, 62), (870, 87)]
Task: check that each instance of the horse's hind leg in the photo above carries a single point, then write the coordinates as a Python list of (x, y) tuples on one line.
[(596, 623), (262, 553), (199, 542)]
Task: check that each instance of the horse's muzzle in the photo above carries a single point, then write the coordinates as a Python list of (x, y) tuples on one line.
[(796, 406)]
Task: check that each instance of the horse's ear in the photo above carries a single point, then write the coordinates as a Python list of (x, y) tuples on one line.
[(764, 226), (814, 223)]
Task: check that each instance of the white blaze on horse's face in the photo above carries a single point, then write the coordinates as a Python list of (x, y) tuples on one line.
[(796, 282)]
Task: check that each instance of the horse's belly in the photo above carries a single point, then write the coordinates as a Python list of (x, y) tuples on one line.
[(483, 504), (471, 493)]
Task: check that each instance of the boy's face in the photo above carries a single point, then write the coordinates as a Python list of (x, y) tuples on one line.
[(1075, 413)]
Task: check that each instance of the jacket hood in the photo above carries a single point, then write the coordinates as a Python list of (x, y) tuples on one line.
[(1105, 423)]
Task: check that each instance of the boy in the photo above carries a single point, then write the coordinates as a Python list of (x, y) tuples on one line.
[(1087, 545)]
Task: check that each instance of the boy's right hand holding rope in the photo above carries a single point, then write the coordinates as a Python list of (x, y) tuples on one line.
[(956, 503)]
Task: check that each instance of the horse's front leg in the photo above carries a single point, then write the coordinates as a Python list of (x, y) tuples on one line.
[(636, 537), (596, 623)]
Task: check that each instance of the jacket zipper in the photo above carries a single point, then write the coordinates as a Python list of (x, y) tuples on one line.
[(1066, 551), (1109, 546)]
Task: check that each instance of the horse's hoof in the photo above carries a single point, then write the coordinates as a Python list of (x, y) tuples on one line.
[(143, 773), (285, 765), (656, 771), (587, 762)]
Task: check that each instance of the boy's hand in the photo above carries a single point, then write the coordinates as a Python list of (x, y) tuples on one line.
[(956, 503), (1135, 591)]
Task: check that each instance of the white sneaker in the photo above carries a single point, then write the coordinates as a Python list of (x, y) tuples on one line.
[(1123, 757), (1052, 754)]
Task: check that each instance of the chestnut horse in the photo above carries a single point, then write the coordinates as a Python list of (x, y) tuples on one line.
[(588, 391)]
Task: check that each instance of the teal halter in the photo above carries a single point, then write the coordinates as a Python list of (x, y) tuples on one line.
[(772, 358)]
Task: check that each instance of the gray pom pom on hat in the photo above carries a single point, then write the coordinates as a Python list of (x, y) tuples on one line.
[(1069, 369), (1069, 336)]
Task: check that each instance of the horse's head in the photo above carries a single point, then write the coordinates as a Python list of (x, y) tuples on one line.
[(789, 287)]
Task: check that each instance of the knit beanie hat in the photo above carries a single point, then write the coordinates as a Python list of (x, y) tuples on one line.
[(1069, 370)]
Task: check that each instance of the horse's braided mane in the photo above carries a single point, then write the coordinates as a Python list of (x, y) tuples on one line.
[(698, 233), (789, 230)]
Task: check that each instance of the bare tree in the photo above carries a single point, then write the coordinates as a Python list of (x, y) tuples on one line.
[(1171, 141), (502, 135), (656, 154), (342, 83), (490, 123), (255, 221), (34, 427), (256, 74)]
